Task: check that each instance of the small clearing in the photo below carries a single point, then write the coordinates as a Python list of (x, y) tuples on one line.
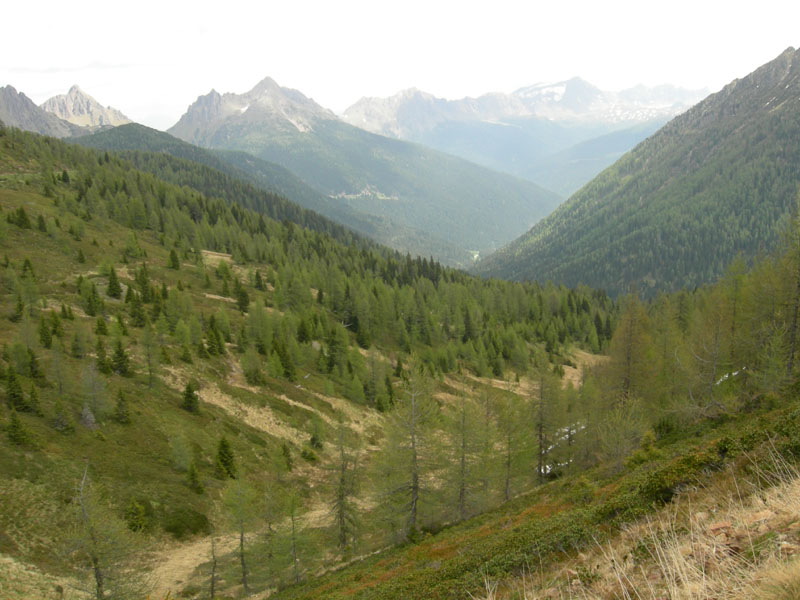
[(259, 418)]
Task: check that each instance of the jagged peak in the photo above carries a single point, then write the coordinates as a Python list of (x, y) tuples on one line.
[(266, 85)]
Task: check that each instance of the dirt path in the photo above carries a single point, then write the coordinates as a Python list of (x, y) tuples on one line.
[(173, 565)]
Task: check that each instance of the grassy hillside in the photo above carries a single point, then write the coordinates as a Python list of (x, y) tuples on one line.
[(715, 182), (144, 323)]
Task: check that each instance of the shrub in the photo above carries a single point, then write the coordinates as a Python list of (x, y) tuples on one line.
[(183, 521)]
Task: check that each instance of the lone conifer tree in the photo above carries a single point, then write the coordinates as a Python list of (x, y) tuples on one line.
[(190, 400), (14, 395), (174, 262), (17, 433), (120, 361), (225, 463), (114, 289)]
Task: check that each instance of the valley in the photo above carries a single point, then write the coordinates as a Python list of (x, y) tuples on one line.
[(540, 344)]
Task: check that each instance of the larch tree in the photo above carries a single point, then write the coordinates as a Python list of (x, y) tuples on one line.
[(409, 453)]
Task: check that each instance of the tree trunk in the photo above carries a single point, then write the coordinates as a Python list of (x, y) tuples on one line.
[(241, 559), (213, 585)]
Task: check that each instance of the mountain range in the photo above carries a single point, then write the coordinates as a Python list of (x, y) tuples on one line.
[(715, 182), (17, 110), (535, 132), (456, 203)]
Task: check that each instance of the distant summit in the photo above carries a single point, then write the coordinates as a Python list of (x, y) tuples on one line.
[(558, 135), (406, 196), (267, 103), (413, 111), (17, 110), (79, 108), (715, 182)]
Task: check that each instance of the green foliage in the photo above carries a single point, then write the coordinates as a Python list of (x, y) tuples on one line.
[(190, 400), (120, 361), (114, 288), (183, 522), (225, 463), (18, 434), (679, 207), (122, 413)]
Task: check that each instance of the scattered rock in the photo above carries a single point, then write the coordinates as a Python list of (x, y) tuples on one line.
[(719, 526), (762, 515)]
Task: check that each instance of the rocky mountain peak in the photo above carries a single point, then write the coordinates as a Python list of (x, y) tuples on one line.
[(79, 108), (17, 110)]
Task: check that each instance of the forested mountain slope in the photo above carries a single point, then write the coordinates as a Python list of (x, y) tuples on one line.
[(171, 360), (454, 201), (714, 182), (272, 178)]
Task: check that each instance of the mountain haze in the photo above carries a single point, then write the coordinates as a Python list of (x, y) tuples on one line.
[(715, 181), (532, 131), (79, 108), (457, 203)]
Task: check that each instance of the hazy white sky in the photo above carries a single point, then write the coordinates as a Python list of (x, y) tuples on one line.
[(152, 59)]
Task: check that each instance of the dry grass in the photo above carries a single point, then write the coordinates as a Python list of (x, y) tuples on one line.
[(19, 581), (729, 540)]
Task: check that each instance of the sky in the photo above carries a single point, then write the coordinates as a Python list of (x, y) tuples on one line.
[(151, 60)]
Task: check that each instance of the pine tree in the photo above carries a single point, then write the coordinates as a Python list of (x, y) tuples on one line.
[(409, 454), (239, 500), (193, 477), (120, 361), (45, 333), (190, 401), (343, 508), (225, 464), (101, 327), (17, 432), (62, 420), (33, 401), (174, 262), (14, 395), (19, 310), (114, 289), (122, 414), (34, 370), (101, 359)]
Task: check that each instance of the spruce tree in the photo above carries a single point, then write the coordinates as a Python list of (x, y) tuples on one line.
[(193, 477), (120, 361), (225, 464), (114, 289), (101, 327), (190, 401), (62, 420), (17, 433), (45, 333), (174, 262), (19, 310), (122, 414), (33, 401), (103, 364), (14, 395)]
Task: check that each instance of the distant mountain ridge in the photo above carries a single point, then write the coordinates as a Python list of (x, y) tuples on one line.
[(459, 205), (79, 108), (412, 111), (17, 110), (139, 143), (716, 181), (530, 132)]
